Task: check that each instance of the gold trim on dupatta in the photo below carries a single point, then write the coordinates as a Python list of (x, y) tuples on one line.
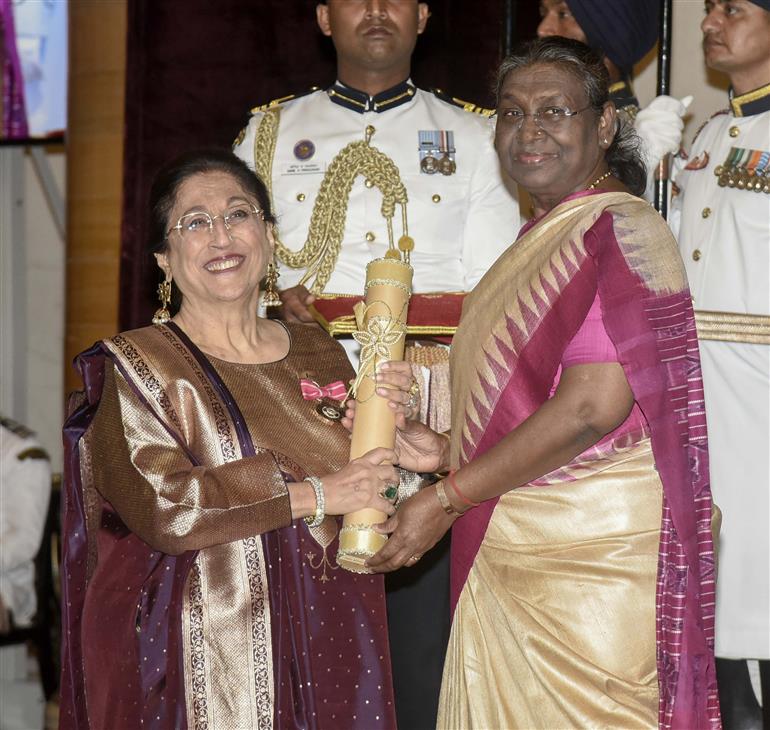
[(177, 389)]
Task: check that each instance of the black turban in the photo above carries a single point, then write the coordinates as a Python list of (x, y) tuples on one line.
[(762, 3), (623, 30)]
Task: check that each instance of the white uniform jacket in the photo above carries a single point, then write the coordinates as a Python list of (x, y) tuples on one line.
[(460, 222), (724, 236)]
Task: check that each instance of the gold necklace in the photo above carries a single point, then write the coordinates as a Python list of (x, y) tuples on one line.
[(599, 179)]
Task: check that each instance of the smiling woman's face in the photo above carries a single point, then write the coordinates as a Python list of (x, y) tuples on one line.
[(227, 265), (558, 160)]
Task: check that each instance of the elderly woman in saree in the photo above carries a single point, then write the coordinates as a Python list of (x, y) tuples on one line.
[(205, 466), (577, 487)]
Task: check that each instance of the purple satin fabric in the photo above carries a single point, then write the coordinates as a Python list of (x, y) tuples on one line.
[(123, 617)]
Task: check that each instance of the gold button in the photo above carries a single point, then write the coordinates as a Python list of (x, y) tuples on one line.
[(300, 197), (734, 131), (370, 236), (369, 183), (696, 255), (706, 212), (436, 198)]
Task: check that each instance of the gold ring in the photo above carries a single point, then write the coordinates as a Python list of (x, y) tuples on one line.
[(414, 389), (415, 558)]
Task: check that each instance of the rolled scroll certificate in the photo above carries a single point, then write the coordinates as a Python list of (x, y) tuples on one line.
[(381, 320)]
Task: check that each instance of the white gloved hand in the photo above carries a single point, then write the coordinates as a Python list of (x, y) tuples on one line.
[(660, 127)]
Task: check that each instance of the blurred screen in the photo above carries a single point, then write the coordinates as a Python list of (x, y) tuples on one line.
[(33, 52)]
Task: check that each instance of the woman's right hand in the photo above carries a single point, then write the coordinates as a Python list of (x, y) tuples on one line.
[(361, 483)]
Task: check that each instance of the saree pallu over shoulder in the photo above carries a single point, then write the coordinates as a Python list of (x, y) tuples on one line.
[(226, 629), (518, 322)]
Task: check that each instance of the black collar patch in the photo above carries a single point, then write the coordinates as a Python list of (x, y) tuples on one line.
[(359, 101), (751, 103)]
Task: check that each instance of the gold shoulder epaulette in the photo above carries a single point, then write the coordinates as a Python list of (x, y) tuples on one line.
[(32, 453), (467, 106), (282, 100)]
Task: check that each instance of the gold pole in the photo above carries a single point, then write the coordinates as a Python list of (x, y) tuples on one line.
[(97, 53)]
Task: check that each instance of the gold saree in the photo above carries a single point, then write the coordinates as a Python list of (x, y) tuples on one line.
[(566, 573)]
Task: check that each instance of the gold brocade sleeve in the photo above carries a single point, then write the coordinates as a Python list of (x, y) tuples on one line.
[(161, 496)]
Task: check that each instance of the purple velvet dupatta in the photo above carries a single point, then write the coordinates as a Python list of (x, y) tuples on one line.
[(515, 327), (310, 690)]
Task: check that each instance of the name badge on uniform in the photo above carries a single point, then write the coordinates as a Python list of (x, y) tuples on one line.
[(437, 152), (303, 164), (745, 169)]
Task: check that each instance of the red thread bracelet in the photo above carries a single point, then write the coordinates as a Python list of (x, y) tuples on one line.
[(453, 484)]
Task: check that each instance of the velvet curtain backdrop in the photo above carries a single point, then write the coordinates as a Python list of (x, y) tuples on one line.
[(195, 68)]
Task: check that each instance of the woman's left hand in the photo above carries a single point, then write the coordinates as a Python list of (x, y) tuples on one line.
[(396, 383), (416, 527)]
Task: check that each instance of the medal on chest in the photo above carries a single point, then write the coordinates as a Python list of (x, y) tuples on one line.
[(329, 399), (745, 169), (437, 152)]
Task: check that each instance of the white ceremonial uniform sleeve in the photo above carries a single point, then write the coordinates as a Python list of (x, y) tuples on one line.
[(493, 220), (243, 146), (25, 489)]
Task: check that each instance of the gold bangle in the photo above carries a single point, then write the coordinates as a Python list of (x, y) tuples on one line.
[(446, 505)]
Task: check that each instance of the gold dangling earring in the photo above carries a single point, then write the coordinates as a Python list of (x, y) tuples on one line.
[(162, 315), (271, 299)]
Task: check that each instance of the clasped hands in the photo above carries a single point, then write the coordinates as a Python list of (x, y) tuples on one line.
[(420, 522)]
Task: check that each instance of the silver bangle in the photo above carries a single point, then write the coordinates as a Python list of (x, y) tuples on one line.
[(320, 503)]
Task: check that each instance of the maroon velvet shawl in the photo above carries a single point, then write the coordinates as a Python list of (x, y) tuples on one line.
[(515, 326), (307, 689)]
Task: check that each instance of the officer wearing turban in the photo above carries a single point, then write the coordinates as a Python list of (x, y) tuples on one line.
[(624, 31)]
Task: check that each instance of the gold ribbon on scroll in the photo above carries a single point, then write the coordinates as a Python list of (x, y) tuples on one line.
[(381, 323)]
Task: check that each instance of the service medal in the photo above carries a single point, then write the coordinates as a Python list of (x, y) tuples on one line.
[(437, 151)]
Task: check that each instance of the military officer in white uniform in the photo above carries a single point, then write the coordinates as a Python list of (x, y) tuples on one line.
[(721, 210), (459, 213), (25, 487)]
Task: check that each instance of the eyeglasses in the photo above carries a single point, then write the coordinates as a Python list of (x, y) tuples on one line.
[(548, 118), (198, 227)]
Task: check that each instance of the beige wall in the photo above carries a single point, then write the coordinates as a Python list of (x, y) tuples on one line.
[(45, 309), (32, 320)]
